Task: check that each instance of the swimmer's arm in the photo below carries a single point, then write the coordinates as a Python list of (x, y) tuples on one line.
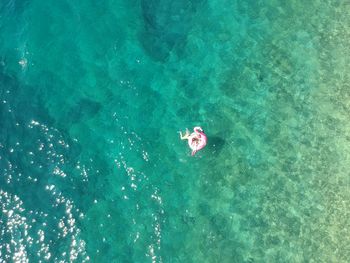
[(185, 136)]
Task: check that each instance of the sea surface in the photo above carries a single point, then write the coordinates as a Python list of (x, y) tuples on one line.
[(93, 94)]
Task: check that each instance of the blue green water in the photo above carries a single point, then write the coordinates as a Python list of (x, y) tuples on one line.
[(93, 93)]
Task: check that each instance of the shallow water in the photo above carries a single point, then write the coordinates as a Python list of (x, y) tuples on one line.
[(93, 95)]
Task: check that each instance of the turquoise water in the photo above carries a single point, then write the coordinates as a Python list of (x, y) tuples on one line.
[(93, 93)]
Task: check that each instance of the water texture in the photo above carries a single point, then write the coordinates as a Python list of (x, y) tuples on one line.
[(93, 93)]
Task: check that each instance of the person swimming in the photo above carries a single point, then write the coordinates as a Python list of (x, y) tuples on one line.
[(196, 140)]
